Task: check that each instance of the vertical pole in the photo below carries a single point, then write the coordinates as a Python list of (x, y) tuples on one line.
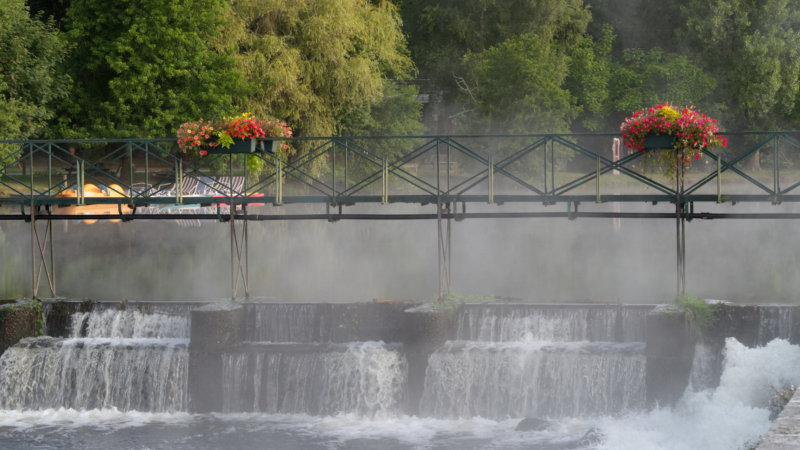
[(491, 180), (448, 170), (234, 275), (246, 260), (130, 168), (678, 219), (683, 236), (439, 242), (545, 171), (83, 183), (552, 165), (597, 181), (449, 253), (333, 172), (438, 189), (146, 168), (34, 284), (776, 166), (346, 151), (30, 157), (246, 275), (49, 169), (719, 179), (280, 182), (52, 257)]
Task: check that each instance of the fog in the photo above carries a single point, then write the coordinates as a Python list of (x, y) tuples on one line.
[(542, 260)]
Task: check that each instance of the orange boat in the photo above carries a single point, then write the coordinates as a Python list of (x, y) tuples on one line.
[(90, 190)]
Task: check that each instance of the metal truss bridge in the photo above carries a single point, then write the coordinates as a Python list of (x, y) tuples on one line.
[(149, 179)]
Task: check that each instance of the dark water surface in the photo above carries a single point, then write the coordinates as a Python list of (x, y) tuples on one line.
[(242, 432)]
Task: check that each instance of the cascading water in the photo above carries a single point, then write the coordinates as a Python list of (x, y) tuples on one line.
[(366, 378), (775, 322), (282, 323), (129, 324), (529, 323), (128, 374), (539, 361), (518, 379)]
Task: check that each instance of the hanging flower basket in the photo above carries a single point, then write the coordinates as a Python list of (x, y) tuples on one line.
[(665, 127), (658, 141), (244, 134)]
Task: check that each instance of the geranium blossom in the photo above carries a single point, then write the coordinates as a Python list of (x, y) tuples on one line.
[(204, 134), (692, 130)]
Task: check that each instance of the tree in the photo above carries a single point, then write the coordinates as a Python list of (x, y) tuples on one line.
[(398, 113), (442, 32), (319, 64), (30, 52), (753, 49), (644, 79), (143, 67)]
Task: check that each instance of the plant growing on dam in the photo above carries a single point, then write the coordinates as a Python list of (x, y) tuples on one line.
[(700, 312), (690, 130), (453, 300), (780, 400)]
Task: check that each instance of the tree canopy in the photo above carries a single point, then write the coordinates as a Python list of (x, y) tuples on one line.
[(30, 82), (321, 65), (142, 67)]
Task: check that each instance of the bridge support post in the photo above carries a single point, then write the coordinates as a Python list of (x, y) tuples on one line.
[(680, 226), (445, 280), (239, 256), (40, 257)]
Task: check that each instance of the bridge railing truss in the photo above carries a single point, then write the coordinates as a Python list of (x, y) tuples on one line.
[(538, 168), (341, 171)]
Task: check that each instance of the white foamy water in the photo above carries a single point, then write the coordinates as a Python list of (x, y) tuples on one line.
[(128, 324), (710, 420), (722, 419), (84, 374), (111, 418), (519, 379), (367, 378)]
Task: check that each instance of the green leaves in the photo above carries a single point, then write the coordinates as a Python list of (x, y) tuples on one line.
[(143, 67), (30, 52)]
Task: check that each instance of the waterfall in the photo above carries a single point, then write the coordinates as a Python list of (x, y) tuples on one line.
[(281, 323), (128, 374), (366, 378), (706, 367), (633, 323), (521, 379), (529, 323), (775, 322), (113, 323)]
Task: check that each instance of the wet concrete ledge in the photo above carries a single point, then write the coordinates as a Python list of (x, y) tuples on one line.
[(785, 432)]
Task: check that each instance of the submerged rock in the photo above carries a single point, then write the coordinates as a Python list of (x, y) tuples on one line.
[(591, 438), (532, 424)]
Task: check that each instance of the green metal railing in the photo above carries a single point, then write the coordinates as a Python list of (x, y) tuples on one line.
[(348, 170)]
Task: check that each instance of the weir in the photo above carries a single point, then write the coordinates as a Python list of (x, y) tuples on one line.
[(372, 359)]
